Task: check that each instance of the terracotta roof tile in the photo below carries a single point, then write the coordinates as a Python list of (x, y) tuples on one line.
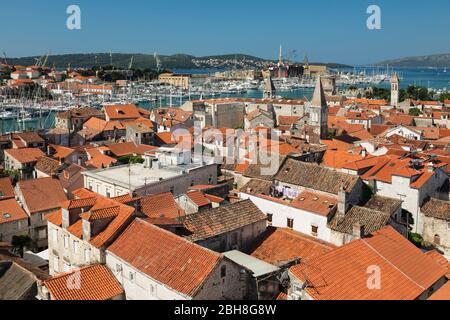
[(213, 222), (198, 198), (96, 283), (42, 194), (25, 155), (438, 209), (165, 257), (160, 206), (10, 211), (6, 189), (280, 246), (440, 260), (342, 273), (314, 177), (120, 112)]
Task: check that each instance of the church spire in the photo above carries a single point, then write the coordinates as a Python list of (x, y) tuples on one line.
[(319, 99)]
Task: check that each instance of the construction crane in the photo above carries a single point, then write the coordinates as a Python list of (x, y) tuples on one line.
[(158, 61), (130, 66), (291, 56), (44, 63), (4, 55)]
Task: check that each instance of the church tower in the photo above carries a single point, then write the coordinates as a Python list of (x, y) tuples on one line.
[(318, 114), (395, 90), (269, 89)]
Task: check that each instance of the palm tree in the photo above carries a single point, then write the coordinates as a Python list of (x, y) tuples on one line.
[(20, 242)]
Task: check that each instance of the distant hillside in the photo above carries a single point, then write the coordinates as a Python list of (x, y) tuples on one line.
[(142, 61), (435, 60)]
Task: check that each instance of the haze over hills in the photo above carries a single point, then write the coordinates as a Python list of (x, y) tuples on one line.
[(434, 60), (176, 61)]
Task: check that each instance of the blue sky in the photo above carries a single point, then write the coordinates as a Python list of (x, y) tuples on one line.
[(328, 30)]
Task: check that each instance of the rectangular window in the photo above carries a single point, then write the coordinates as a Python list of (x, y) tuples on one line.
[(56, 263), (290, 223), (87, 257), (42, 234), (66, 242), (55, 237), (75, 246), (315, 231), (270, 218), (66, 267)]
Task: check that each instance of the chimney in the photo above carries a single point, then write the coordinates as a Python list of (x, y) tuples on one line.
[(358, 231), (431, 168), (343, 205), (79, 161), (87, 230), (364, 153)]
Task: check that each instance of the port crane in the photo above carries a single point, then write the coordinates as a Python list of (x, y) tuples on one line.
[(158, 61), (4, 55), (130, 66)]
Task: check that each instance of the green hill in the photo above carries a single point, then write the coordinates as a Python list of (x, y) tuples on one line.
[(433, 61)]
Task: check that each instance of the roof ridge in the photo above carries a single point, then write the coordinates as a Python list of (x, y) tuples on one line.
[(390, 263)]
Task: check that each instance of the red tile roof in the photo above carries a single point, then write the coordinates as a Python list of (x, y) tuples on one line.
[(95, 283), (280, 246), (10, 211), (120, 112), (119, 214), (161, 206), (198, 198), (440, 260), (130, 148), (25, 155), (165, 257), (6, 189), (442, 294), (342, 274), (42, 194)]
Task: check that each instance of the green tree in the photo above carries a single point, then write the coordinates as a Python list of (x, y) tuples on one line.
[(415, 112), (444, 96), (21, 242)]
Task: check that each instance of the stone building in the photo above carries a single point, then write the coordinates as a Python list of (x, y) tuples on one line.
[(74, 119), (343, 273), (80, 232), (229, 227), (170, 171), (195, 273), (361, 221), (317, 126), (436, 224), (139, 134), (39, 198), (270, 92)]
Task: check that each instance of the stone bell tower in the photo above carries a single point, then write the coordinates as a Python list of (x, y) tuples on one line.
[(395, 90)]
